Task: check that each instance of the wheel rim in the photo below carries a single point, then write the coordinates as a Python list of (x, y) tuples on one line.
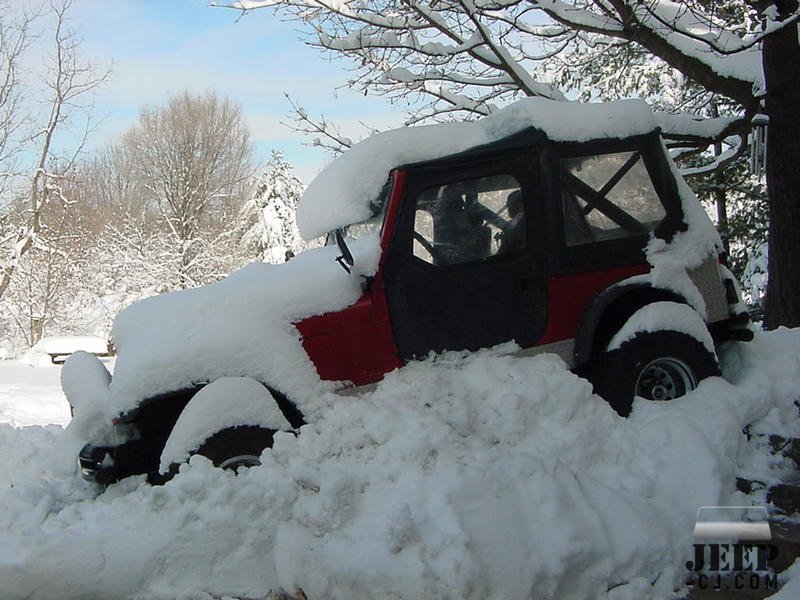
[(665, 378), (242, 460)]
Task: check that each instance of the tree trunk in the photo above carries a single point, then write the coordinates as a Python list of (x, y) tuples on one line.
[(721, 202), (781, 55)]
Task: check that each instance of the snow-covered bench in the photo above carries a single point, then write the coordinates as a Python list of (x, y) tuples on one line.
[(58, 348)]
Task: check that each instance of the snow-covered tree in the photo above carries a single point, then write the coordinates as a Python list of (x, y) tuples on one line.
[(268, 218), (467, 57), (132, 260), (36, 105), (49, 280), (127, 238), (193, 159)]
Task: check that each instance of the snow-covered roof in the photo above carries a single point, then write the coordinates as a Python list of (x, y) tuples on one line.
[(342, 192)]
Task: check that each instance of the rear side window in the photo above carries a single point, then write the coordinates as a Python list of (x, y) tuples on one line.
[(607, 196)]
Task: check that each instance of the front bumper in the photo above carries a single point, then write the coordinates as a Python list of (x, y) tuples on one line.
[(737, 328), (107, 464)]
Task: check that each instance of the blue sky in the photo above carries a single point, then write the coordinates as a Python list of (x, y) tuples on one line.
[(159, 47)]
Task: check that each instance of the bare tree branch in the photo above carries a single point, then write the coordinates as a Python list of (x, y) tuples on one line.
[(67, 79)]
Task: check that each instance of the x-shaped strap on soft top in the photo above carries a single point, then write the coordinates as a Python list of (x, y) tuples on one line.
[(596, 199)]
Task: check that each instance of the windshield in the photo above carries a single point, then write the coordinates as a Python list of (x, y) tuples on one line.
[(374, 223)]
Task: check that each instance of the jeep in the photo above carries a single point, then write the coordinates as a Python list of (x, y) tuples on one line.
[(589, 246)]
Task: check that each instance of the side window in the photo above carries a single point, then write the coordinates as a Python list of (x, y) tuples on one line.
[(469, 220), (607, 196)]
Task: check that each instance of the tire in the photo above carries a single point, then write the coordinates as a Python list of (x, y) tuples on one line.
[(236, 447), (657, 366)]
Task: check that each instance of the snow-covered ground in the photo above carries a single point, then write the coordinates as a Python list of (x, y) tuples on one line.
[(31, 395), (469, 476)]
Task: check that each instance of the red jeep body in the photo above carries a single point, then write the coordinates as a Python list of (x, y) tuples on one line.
[(566, 289)]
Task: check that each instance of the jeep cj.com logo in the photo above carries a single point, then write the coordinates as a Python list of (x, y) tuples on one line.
[(743, 563)]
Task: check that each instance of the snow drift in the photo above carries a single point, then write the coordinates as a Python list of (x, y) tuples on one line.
[(464, 476)]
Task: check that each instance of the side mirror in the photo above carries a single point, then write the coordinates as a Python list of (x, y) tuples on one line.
[(346, 257)]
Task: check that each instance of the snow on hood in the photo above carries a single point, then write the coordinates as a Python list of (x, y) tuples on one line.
[(475, 477), (240, 326), (341, 194)]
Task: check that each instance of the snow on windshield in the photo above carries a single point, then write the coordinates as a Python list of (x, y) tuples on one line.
[(342, 194)]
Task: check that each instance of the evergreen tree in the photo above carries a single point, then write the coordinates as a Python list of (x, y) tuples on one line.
[(269, 228)]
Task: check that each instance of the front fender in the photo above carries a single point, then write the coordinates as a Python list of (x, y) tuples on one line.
[(224, 403)]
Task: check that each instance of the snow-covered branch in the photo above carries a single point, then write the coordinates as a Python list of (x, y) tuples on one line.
[(66, 81), (322, 134), (453, 51), (736, 148)]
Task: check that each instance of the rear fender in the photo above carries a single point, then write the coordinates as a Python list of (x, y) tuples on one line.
[(664, 316), (611, 310)]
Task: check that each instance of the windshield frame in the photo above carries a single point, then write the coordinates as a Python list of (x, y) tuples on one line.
[(374, 223)]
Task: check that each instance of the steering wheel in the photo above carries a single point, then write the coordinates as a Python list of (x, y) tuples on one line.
[(430, 248)]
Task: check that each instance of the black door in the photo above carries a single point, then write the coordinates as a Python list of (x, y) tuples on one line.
[(465, 268)]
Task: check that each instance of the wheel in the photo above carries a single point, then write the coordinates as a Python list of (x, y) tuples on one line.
[(656, 366), (236, 447)]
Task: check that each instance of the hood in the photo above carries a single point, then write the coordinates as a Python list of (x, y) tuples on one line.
[(240, 326)]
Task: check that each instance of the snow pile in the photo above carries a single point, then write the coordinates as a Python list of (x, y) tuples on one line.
[(765, 366), (65, 344), (700, 239), (342, 193), (791, 590), (468, 476), (85, 382), (698, 243), (240, 326)]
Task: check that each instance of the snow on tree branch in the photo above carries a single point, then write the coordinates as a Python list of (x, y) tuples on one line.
[(323, 134), (737, 147), (64, 83), (466, 58)]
